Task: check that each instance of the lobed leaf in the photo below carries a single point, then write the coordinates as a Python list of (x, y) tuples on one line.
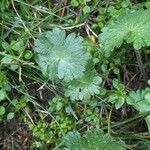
[(96, 140), (140, 100), (61, 57), (85, 87), (133, 28)]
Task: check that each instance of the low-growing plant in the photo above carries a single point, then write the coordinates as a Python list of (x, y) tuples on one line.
[(140, 100), (65, 65), (95, 140), (66, 59), (132, 27), (63, 115), (42, 134), (119, 95)]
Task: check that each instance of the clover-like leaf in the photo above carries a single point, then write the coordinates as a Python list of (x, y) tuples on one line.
[(61, 57), (96, 140), (83, 88), (133, 27)]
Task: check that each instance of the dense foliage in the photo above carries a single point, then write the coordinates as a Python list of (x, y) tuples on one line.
[(75, 74)]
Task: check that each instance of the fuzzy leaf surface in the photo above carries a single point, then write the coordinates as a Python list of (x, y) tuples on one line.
[(61, 57), (85, 87), (133, 28), (140, 100), (96, 140)]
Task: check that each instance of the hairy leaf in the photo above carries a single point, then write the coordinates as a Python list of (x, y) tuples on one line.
[(61, 57), (133, 27), (140, 100), (96, 140), (3, 80), (83, 88)]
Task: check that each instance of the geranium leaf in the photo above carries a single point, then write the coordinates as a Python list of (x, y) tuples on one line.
[(96, 140), (61, 57), (133, 28), (83, 88)]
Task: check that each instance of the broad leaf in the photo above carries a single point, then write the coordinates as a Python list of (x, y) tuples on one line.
[(61, 56), (133, 27), (83, 88), (96, 140)]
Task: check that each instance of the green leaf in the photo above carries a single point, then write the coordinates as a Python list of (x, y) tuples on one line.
[(59, 106), (133, 28), (116, 71), (96, 140), (2, 110), (28, 54), (61, 57), (18, 45), (118, 97), (117, 100), (74, 3), (147, 4), (3, 80), (85, 87), (71, 111), (86, 9), (6, 46), (148, 82), (7, 59), (140, 100), (10, 116), (125, 3), (2, 94)]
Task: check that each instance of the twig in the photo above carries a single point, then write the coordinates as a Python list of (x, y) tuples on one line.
[(91, 31), (141, 66), (63, 11), (131, 80), (29, 116), (20, 72), (109, 119)]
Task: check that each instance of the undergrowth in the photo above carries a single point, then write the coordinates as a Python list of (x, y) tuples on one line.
[(75, 74)]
